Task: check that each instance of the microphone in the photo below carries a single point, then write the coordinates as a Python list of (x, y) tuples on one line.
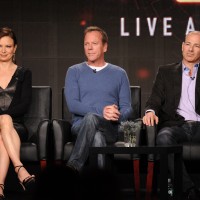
[(94, 71), (192, 78)]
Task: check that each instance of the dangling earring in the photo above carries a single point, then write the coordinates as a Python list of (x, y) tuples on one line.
[(13, 58)]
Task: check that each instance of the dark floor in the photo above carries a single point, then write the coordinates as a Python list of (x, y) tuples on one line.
[(18, 196), (23, 196), (13, 190), (127, 195)]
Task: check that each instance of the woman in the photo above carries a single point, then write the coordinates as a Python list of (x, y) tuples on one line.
[(15, 98)]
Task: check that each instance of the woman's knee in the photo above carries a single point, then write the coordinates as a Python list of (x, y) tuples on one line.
[(1, 141), (5, 120)]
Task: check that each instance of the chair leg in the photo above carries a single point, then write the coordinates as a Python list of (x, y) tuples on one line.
[(136, 169), (43, 164), (149, 182)]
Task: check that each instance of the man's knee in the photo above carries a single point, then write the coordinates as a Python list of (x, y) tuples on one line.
[(91, 119), (164, 137), (161, 140)]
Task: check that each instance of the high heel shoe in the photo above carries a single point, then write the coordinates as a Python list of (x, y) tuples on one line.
[(2, 197), (28, 183)]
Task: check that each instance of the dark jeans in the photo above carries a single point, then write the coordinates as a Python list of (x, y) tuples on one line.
[(178, 135), (94, 131)]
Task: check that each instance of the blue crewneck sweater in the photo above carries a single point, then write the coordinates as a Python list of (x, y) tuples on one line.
[(89, 92)]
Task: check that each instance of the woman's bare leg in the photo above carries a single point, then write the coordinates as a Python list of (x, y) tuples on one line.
[(4, 164), (12, 144)]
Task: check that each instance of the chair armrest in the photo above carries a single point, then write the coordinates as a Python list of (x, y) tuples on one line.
[(61, 135), (138, 132), (151, 139), (151, 135), (43, 131), (139, 135)]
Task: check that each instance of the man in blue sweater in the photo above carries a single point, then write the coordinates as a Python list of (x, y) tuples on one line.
[(98, 96)]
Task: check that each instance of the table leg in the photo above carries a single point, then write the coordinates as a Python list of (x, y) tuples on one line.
[(93, 159), (178, 176), (163, 176)]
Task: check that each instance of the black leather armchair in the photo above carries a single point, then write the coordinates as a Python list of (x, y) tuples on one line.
[(37, 120), (34, 152), (191, 157), (63, 141), (191, 149)]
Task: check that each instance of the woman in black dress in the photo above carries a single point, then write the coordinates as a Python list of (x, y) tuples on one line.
[(15, 98)]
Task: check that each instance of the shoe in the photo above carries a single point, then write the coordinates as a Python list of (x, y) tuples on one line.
[(2, 197), (192, 194), (28, 183), (72, 168)]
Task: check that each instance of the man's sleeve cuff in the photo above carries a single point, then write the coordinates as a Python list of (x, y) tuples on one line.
[(150, 110)]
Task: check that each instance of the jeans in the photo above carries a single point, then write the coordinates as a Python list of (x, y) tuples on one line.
[(94, 131), (178, 135)]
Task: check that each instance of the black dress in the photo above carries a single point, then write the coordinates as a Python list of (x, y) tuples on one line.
[(16, 98)]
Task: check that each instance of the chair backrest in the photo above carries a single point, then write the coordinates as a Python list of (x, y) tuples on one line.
[(136, 101), (65, 111), (40, 109), (135, 97)]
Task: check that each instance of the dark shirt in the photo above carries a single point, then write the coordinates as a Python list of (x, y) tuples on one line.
[(16, 97)]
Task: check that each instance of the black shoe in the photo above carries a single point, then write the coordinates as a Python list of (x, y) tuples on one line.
[(72, 168), (2, 197), (28, 184), (192, 194)]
